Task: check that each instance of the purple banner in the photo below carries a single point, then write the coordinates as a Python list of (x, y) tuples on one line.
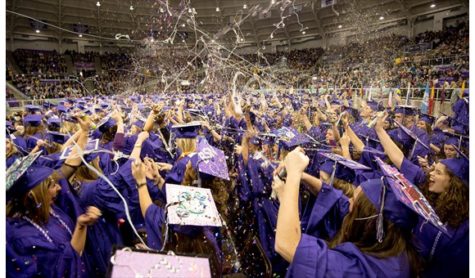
[(85, 65)]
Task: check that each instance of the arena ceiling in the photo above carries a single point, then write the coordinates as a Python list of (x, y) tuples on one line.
[(247, 22)]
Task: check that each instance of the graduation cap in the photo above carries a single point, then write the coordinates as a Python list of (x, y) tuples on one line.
[(10, 127), (32, 108), (188, 130), (406, 110), (455, 139), (341, 167), (413, 136), (400, 195), (375, 106), (21, 176), (427, 118), (210, 161), (193, 206), (267, 138), (255, 140), (105, 124), (62, 108), (290, 138), (459, 167), (54, 121), (139, 123), (125, 262), (47, 104), (33, 119), (58, 137)]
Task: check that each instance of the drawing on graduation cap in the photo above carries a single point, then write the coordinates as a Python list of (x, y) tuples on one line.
[(410, 195), (92, 145), (193, 206), (127, 263), (285, 134), (19, 167), (212, 161)]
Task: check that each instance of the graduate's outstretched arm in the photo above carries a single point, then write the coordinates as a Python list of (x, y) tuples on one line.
[(288, 232), (314, 184), (74, 159), (390, 148)]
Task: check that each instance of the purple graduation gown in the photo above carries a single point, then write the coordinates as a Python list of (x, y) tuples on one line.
[(446, 256), (30, 254), (313, 258)]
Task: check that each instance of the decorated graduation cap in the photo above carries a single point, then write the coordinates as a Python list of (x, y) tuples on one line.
[(32, 108), (267, 138), (58, 137), (33, 119), (210, 161), (406, 193), (188, 130), (427, 118), (22, 176), (406, 110), (129, 263), (193, 206), (459, 167), (290, 138)]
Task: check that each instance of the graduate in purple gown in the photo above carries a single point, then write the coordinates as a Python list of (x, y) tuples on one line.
[(362, 248), (447, 191), (42, 241), (186, 144)]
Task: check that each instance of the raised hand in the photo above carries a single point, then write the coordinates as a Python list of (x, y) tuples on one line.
[(90, 217)]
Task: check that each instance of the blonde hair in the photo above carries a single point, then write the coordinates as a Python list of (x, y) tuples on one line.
[(186, 145), (68, 127), (35, 204), (13, 149)]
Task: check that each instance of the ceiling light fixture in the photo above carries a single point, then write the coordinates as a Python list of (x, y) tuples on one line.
[(80, 35), (339, 26), (244, 6), (131, 7), (37, 31), (272, 2), (98, 4), (381, 17), (432, 5), (217, 9), (151, 39), (183, 25), (303, 32), (271, 36)]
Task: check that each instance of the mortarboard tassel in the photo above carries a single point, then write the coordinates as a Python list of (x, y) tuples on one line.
[(380, 219)]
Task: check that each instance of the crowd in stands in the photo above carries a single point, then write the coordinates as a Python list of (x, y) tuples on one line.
[(388, 61)]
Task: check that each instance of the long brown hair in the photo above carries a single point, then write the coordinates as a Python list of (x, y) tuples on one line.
[(362, 233), (451, 206), (35, 204)]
